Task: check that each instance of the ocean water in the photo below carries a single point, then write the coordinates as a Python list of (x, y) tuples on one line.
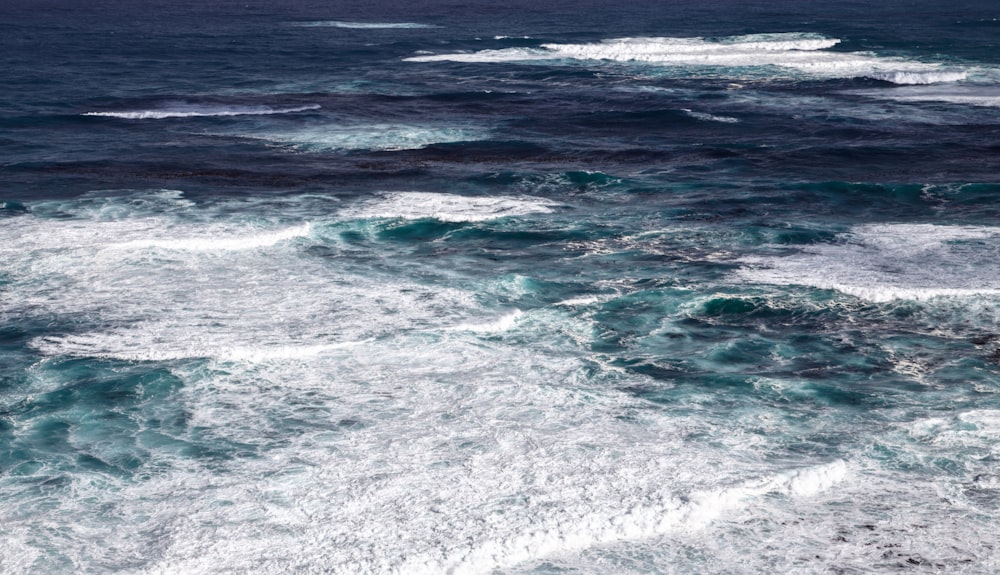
[(504, 288)]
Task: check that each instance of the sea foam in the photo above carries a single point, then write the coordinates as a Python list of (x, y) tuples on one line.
[(964, 94), (885, 262), (216, 242), (363, 25), (706, 117), (449, 207), (802, 53), (375, 137), (201, 110)]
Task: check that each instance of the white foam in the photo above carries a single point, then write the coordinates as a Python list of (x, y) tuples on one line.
[(202, 110), (378, 137), (885, 262), (138, 345), (449, 207), (364, 25), (579, 301), (975, 429), (217, 242), (658, 515), (347, 427), (504, 323), (803, 53), (972, 95), (710, 117), (104, 238), (918, 76)]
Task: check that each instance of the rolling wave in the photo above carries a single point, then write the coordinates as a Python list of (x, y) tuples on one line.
[(364, 25), (886, 262), (799, 52), (448, 207), (201, 110)]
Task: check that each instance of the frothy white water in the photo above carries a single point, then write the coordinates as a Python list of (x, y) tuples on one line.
[(659, 514), (179, 288), (918, 76), (884, 262), (363, 25), (710, 117), (803, 53), (580, 301), (350, 428), (378, 137), (217, 242), (201, 110), (104, 238), (505, 323), (152, 342), (448, 207), (972, 95)]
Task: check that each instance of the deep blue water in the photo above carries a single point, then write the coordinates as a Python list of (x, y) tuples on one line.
[(458, 287)]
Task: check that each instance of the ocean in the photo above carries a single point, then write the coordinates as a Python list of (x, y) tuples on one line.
[(458, 287)]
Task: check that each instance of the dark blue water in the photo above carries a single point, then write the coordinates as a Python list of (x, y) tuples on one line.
[(452, 287)]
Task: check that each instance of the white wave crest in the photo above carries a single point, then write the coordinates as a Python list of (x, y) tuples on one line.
[(363, 25), (124, 346), (970, 95), (376, 137), (918, 76), (658, 516), (799, 52), (222, 243), (201, 110), (579, 301), (449, 207), (505, 323), (710, 117), (885, 262)]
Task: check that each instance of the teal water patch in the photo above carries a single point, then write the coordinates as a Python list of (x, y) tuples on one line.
[(79, 417), (11, 208), (418, 230)]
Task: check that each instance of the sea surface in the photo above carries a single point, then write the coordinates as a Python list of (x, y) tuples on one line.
[(448, 286)]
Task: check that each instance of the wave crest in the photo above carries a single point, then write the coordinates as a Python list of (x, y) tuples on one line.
[(201, 110), (364, 25), (449, 207), (887, 262), (800, 52)]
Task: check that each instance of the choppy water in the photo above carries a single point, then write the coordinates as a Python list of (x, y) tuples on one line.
[(535, 288)]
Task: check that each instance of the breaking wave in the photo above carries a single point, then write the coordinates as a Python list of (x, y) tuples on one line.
[(799, 52), (201, 110)]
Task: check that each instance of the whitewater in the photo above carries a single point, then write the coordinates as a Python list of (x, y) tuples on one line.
[(403, 288)]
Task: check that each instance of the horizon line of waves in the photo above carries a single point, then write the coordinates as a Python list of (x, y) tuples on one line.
[(887, 262), (374, 137), (658, 515), (363, 25), (213, 243), (802, 53), (450, 208), (201, 111)]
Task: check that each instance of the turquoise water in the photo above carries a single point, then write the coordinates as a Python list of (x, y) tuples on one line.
[(562, 289)]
